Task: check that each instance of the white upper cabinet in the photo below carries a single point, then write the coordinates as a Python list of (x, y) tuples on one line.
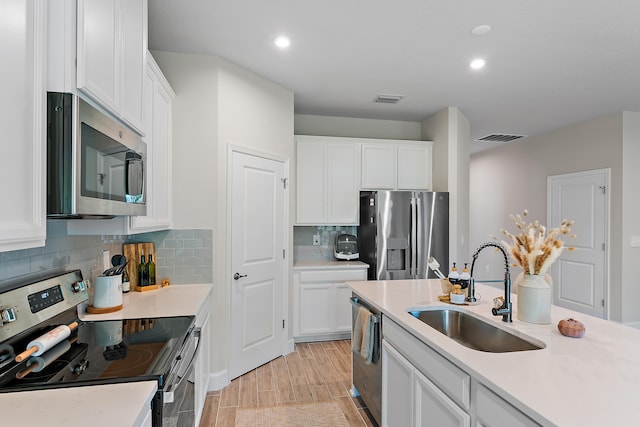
[(157, 101), (111, 55), (396, 165), (414, 166), (23, 123), (327, 181)]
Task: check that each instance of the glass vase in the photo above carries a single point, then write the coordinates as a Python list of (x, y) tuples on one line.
[(534, 298)]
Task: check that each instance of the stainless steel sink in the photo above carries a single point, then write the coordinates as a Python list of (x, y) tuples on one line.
[(475, 333)]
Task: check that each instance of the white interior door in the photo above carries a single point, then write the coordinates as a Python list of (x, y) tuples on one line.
[(257, 262), (580, 276)]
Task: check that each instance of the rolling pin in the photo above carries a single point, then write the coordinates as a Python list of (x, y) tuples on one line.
[(38, 363), (46, 341)]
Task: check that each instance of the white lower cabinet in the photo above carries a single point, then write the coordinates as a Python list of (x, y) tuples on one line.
[(492, 410), (397, 388), (422, 388), (409, 398), (322, 310)]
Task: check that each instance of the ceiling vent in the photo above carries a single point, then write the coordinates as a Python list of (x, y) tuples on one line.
[(388, 99), (500, 137)]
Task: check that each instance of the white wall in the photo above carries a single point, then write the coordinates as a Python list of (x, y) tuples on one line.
[(449, 130), (356, 128), (219, 104), (630, 289), (512, 178)]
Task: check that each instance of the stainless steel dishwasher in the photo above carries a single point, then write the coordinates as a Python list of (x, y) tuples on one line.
[(367, 378)]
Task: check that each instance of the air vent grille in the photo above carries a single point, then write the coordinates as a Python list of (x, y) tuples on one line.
[(388, 99), (500, 137)]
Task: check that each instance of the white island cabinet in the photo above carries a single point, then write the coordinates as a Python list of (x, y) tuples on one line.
[(23, 123), (322, 309), (562, 383)]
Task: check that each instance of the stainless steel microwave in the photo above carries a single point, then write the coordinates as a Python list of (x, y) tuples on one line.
[(95, 165)]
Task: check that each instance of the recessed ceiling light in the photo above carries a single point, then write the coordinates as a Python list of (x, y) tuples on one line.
[(481, 30), (282, 42), (477, 63)]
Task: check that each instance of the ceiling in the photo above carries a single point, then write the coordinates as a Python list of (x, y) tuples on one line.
[(550, 63)]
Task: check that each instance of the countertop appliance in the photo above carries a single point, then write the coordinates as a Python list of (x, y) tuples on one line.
[(95, 166), (400, 230), (346, 247), (161, 349)]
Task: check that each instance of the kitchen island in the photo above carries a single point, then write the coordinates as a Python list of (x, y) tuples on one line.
[(125, 404), (589, 381)]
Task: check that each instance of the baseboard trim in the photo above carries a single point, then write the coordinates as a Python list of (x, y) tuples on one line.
[(218, 380), (291, 346), (633, 324)]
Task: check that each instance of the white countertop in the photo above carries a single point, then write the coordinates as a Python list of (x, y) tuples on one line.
[(104, 405), (174, 300), (95, 406), (329, 264), (588, 381)]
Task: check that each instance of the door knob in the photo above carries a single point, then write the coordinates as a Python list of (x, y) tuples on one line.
[(238, 276)]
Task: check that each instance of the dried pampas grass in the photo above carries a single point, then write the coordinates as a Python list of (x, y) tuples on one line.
[(535, 248)]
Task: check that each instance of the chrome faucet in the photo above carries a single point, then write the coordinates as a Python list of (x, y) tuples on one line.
[(506, 308)]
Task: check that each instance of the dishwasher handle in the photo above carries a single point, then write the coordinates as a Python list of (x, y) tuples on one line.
[(356, 303)]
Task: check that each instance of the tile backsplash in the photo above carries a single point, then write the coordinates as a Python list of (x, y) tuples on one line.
[(184, 256), (303, 248)]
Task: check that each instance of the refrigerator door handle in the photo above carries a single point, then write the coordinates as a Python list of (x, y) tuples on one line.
[(413, 238)]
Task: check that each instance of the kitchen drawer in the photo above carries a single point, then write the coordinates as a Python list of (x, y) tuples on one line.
[(333, 275), (492, 410), (452, 380)]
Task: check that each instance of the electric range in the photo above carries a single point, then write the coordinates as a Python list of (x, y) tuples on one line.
[(96, 352)]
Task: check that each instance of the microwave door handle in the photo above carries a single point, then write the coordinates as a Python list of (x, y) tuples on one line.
[(134, 176), (175, 381)]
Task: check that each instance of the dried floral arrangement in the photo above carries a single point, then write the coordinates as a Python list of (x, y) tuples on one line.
[(535, 248)]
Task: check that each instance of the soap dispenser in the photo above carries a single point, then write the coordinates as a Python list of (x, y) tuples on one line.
[(454, 276), (464, 277)]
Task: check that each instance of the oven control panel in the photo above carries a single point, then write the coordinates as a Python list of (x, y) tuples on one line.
[(46, 298), (29, 305)]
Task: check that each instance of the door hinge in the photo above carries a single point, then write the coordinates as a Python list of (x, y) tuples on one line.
[(284, 182), (603, 303), (282, 323), (603, 188), (603, 246), (284, 254)]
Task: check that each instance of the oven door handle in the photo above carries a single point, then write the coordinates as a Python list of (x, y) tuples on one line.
[(175, 381)]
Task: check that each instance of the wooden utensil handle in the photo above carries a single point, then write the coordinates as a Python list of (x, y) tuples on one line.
[(28, 352)]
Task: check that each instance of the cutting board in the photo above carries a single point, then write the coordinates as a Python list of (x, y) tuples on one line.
[(133, 251)]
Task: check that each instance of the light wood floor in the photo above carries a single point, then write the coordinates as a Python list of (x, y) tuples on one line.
[(315, 372)]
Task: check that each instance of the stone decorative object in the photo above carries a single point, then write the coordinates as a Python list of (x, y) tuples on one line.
[(571, 328)]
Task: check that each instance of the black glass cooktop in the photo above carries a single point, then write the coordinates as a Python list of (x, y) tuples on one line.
[(98, 353)]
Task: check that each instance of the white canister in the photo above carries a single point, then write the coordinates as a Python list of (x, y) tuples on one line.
[(107, 291)]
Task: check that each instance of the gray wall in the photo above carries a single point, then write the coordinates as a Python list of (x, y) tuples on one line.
[(514, 177)]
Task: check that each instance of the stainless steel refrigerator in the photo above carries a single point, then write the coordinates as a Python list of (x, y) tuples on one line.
[(400, 230)]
